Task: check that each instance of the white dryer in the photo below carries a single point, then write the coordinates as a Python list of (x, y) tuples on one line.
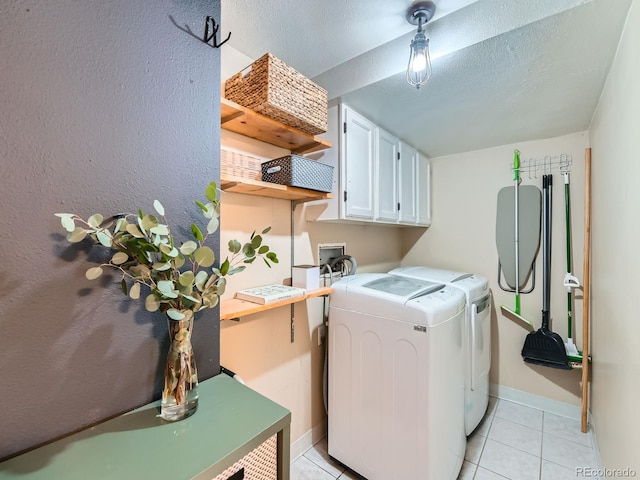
[(477, 334), (396, 377)]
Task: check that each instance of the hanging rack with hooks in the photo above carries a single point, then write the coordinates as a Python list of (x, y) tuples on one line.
[(535, 167)]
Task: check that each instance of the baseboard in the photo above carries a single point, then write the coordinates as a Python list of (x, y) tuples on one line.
[(535, 401), (308, 440)]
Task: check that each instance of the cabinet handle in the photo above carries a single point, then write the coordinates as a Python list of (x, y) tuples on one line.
[(274, 169), (345, 195)]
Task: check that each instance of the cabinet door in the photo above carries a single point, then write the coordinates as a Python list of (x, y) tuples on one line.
[(385, 177), (357, 162), (424, 190), (407, 184)]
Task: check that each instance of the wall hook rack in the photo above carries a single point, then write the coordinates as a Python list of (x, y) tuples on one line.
[(211, 32), (533, 167)]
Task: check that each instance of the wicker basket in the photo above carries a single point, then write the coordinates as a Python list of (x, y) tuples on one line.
[(274, 89), (259, 464), (301, 172)]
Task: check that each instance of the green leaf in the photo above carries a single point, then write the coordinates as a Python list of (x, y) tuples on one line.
[(204, 256), (272, 256), (66, 219), (161, 266), (158, 206), (119, 258), (250, 260), (134, 230), (140, 214), (95, 220), (188, 247), (77, 235), (165, 248), (186, 279), (165, 287), (121, 225), (178, 261), (196, 232), (212, 191), (234, 246), (104, 237), (224, 268), (239, 269), (256, 241), (93, 273), (151, 303), (148, 222), (248, 250), (213, 224), (222, 286), (175, 314), (263, 249), (124, 287), (210, 210), (201, 205), (134, 292), (140, 271), (266, 230), (201, 279), (160, 230)]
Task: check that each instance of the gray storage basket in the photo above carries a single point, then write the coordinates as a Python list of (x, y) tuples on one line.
[(296, 171)]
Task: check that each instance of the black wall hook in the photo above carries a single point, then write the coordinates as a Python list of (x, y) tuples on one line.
[(211, 31)]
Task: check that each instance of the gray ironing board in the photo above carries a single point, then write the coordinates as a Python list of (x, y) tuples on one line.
[(529, 201)]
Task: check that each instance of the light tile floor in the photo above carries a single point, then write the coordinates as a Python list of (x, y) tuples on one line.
[(512, 442)]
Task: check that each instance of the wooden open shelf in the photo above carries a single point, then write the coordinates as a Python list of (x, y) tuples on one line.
[(238, 119), (234, 308), (273, 190)]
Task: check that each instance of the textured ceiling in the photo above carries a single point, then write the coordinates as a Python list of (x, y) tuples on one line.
[(504, 71)]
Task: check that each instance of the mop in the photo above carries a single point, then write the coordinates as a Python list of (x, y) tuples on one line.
[(570, 281)]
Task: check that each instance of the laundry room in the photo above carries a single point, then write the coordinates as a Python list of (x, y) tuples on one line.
[(423, 271)]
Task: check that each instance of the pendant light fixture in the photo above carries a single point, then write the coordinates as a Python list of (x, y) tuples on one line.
[(419, 68)]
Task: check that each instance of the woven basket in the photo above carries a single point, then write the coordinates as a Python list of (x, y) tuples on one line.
[(274, 89), (259, 464)]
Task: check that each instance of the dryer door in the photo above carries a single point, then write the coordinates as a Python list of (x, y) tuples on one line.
[(480, 342)]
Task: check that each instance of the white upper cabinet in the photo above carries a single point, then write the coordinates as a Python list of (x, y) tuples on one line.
[(424, 190), (386, 177), (407, 177), (377, 177), (358, 147)]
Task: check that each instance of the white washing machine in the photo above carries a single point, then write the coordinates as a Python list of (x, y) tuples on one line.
[(477, 334), (396, 377)]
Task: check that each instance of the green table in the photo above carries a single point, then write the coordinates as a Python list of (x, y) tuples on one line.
[(230, 422)]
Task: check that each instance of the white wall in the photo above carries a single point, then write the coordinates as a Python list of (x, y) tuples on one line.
[(615, 261), (462, 237)]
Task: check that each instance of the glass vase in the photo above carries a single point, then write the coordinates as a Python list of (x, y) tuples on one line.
[(180, 393)]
